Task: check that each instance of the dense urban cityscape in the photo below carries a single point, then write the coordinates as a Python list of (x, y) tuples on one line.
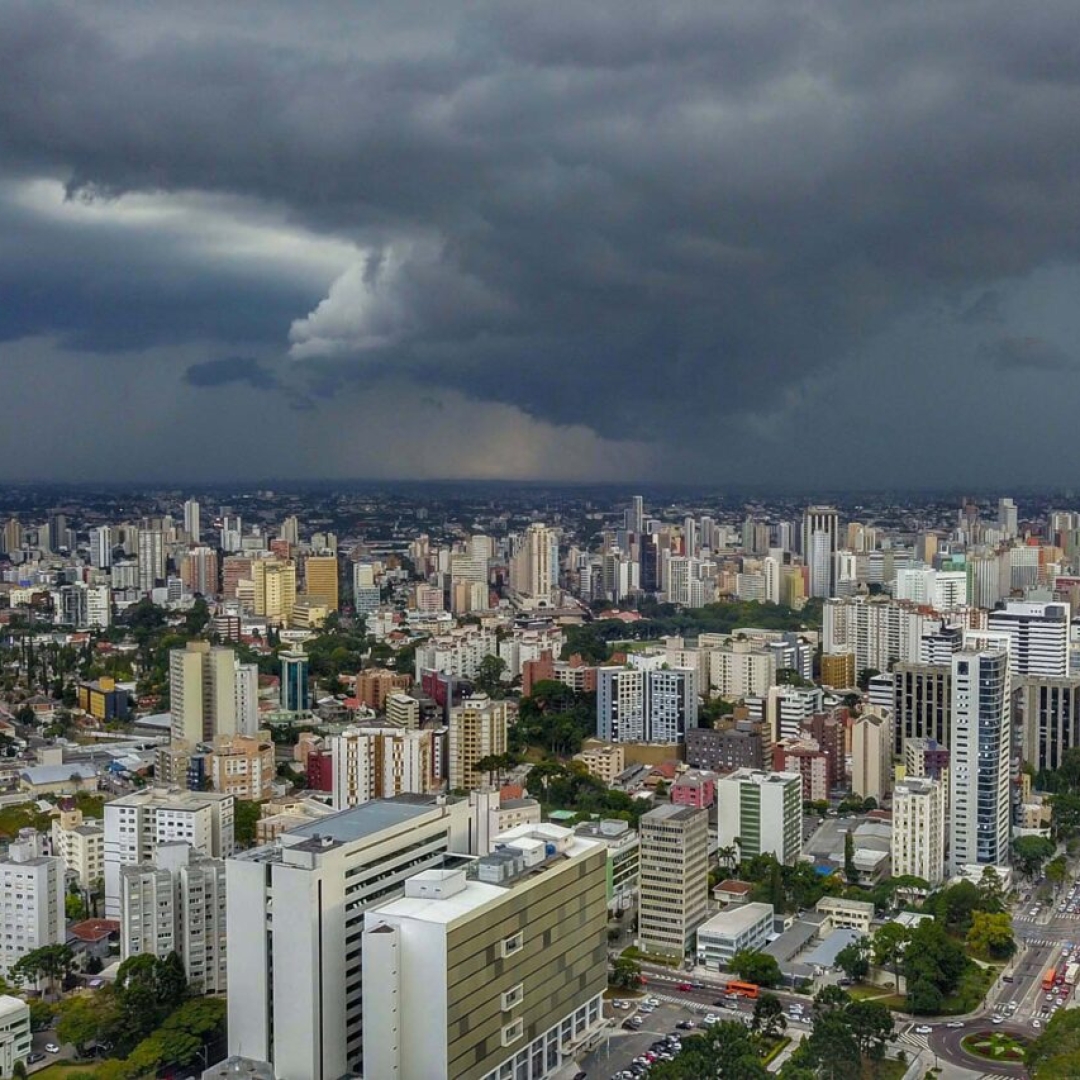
[(482, 781)]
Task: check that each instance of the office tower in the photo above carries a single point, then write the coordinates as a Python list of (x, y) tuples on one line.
[(136, 824), (199, 571), (378, 763), (646, 706), (57, 532), (234, 569), (763, 811), (275, 589), (635, 516), (246, 685), (871, 756), (938, 646), (151, 558), (922, 703), (534, 569), (202, 691), (101, 547), (1007, 518), (520, 954), (81, 845), (771, 568), (1048, 711), (321, 579), (819, 537), (192, 525), (918, 830), (987, 583), (296, 925), (673, 899), (176, 903), (295, 692), (477, 730), (1038, 637), (979, 758), (32, 900)]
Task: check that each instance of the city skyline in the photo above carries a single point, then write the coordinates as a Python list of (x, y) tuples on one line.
[(441, 241)]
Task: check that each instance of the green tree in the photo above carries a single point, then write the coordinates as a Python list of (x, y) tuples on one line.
[(626, 972), (872, 1027), (1057, 870), (991, 935), (768, 1019), (850, 872), (756, 967), (1030, 852), (888, 947), (86, 1019), (51, 963), (991, 891), (489, 676), (853, 960), (74, 907), (246, 817)]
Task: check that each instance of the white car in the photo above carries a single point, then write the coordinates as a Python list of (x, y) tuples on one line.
[(923, 1030), (1036, 1023), (996, 1020), (955, 1024)]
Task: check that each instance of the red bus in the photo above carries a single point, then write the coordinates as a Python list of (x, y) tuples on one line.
[(743, 989)]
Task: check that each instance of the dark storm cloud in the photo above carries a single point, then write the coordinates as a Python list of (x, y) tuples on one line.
[(642, 217), (231, 369), (1029, 354)]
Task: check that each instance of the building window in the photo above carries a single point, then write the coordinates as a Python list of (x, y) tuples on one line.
[(513, 997), (513, 944), (513, 1032)]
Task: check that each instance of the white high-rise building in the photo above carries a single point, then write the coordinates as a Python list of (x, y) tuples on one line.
[(136, 824), (980, 743), (634, 705), (741, 669), (101, 547), (151, 558), (191, 520), (787, 707), (534, 570), (1038, 637), (177, 904), (81, 844), (373, 763), (31, 900), (820, 543), (296, 927), (763, 812), (246, 693), (918, 830), (943, 590), (1007, 518)]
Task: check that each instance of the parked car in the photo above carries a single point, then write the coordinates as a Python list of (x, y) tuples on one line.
[(52, 1048), (35, 1057)]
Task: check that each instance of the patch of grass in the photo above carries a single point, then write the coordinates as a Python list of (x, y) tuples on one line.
[(995, 1046), (26, 816), (884, 1070), (775, 1049), (632, 952), (868, 992), (64, 1071), (972, 989)]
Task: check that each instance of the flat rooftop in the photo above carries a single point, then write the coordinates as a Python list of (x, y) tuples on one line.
[(737, 919), (365, 820)]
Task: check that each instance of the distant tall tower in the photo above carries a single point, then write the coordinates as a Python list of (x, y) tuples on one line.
[(1007, 518), (635, 516), (202, 691), (101, 547), (535, 568), (979, 748), (191, 520), (820, 528), (290, 531), (151, 558)]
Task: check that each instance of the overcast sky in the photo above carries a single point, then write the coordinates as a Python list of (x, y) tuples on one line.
[(832, 243)]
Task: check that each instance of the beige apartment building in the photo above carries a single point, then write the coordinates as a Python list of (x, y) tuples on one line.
[(477, 730)]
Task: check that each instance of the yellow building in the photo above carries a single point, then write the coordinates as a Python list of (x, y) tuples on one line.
[(243, 766), (477, 730), (838, 671), (309, 614), (603, 762), (321, 579), (275, 589)]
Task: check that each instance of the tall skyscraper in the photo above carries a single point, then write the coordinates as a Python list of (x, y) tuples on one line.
[(821, 527), (979, 758), (377, 763), (151, 558), (101, 547), (673, 896), (321, 579), (202, 691), (534, 570), (1007, 518), (633, 705), (199, 571), (275, 589), (192, 525), (1038, 637)]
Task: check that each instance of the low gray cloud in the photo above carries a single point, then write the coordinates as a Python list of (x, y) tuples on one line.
[(231, 369), (1029, 354)]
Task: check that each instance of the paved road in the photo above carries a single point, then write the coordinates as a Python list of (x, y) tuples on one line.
[(945, 1042)]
